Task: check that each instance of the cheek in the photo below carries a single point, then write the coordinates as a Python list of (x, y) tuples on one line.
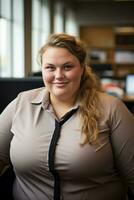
[(47, 77), (76, 75)]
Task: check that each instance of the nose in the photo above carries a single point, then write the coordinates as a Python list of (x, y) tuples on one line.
[(59, 73)]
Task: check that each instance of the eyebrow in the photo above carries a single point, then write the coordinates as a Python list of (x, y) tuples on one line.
[(50, 64), (69, 62)]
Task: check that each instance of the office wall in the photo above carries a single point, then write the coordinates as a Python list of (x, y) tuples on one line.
[(111, 13)]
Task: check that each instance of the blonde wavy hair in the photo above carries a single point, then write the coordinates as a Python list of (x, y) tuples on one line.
[(89, 86)]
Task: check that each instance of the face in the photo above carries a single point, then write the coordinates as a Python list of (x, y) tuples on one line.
[(61, 73)]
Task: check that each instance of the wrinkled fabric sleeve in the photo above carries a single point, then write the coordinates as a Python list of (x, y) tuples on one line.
[(6, 118), (122, 139)]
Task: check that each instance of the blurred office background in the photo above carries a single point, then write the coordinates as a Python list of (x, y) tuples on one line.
[(107, 27)]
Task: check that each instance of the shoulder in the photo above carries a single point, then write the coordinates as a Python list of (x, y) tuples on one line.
[(110, 104), (27, 101), (113, 106), (109, 100), (34, 95)]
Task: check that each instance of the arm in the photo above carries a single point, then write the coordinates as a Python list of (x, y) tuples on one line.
[(6, 118), (122, 138)]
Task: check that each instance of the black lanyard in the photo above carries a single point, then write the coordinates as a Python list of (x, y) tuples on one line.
[(51, 158)]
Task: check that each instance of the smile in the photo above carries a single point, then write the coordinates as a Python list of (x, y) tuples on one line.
[(60, 83)]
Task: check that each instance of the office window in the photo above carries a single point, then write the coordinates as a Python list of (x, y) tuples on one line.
[(71, 26), (11, 38), (58, 18), (40, 28), (18, 38), (5, 46)]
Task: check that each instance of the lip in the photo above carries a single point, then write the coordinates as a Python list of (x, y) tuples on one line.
[(63, 82), (60, 83)]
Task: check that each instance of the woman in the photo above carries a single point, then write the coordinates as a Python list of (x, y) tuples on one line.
[(68, 140)]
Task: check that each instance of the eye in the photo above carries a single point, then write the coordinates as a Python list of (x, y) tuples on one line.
[(68, 67), (49, 68)]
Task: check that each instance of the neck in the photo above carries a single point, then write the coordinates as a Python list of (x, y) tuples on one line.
[(61, 106)]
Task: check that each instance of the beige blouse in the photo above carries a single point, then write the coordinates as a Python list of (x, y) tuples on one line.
[(86, 172)]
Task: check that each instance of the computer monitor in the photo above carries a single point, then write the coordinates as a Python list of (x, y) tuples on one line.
[(10, 87), (129, 85)]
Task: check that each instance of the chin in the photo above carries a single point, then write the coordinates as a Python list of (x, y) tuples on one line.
[(59, 94), (60, 91)]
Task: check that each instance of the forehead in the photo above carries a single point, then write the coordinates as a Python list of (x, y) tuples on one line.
[(58, 54)]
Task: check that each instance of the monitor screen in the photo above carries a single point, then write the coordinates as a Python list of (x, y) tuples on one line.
[(129, 86), (10, 87)]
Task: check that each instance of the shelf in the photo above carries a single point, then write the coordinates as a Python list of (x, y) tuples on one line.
[(124, 30), (110, 45), (123, 64), (125, 39), (125, 46)]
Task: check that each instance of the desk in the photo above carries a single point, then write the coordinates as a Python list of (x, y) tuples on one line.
[(129, 98), (129, 102)]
